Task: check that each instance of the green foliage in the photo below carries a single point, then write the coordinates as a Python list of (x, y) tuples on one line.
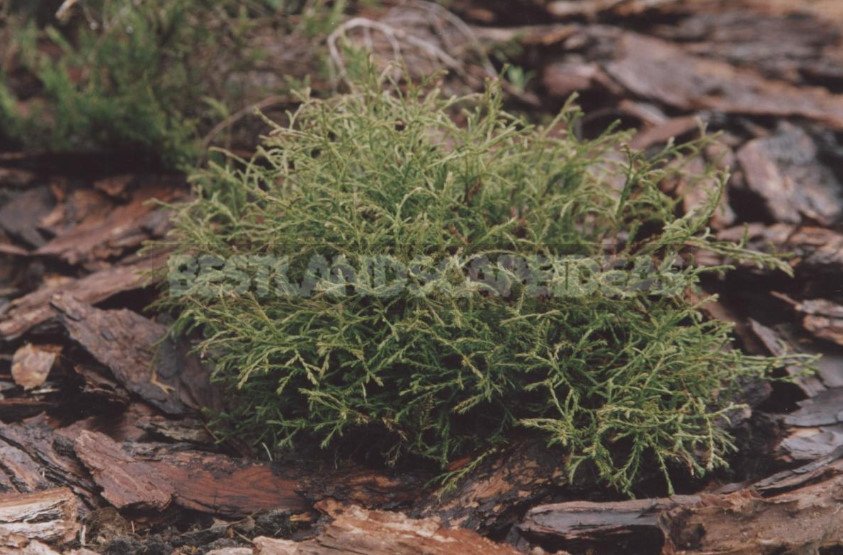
[(124, 84), (139, 76), (444, 366), (9, 122), (319, 17)]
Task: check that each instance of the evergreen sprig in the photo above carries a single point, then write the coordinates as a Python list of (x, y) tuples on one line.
[(619, 380)]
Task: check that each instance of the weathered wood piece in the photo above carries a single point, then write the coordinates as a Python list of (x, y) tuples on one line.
[(805, 520), (195, 480), (125, 482), (358, 530), (30, 310), (32, 363), (494, 495), (661, 71), (795, 511), (35, 457), (135, 350), (794, 185), (582, 525), (118, 230), (48, 516)]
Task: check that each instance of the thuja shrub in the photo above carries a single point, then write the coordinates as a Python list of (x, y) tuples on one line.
[(429, 277), (152, 78)]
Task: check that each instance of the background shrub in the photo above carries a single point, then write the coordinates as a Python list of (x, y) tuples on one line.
[(153, 77)]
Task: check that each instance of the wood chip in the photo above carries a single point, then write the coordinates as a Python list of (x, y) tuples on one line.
[(33, 309), (48, 516), (13, 409), (562, 79), (125, 483), (23, 472), (585, 525), (821, 317), (665, 131), (784, 171), (12, 250), (36, 457), (132, 347), (119, 230), (32, 363), (37, 548), (657, 70), (776, 345), (816, 428), (781, 47), (810, 444), (115, 185), (358, 530), (101, 385), (17, 178), (494, 495), (818, 250), (205, 482), (825, 327), (804, 520), (186, 430), (823, 409), (221, 485), (19, 216), (795, 511)]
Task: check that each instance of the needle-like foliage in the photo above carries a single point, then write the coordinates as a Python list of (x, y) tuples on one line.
[(616, 364), (152, 77)]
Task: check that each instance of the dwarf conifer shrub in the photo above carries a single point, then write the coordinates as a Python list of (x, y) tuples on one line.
[(152, 78), (380, 275)]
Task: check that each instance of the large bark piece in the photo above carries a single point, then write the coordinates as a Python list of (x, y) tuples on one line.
[(119, 230), (49, 516), (139, 355), (658, 70), (221, 485), (492, 496), (784, 171), (125, 483), (34, 457), (582, 525), (199, 481), (796, 511), (806, 520), (358, 530), (34, 308)]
